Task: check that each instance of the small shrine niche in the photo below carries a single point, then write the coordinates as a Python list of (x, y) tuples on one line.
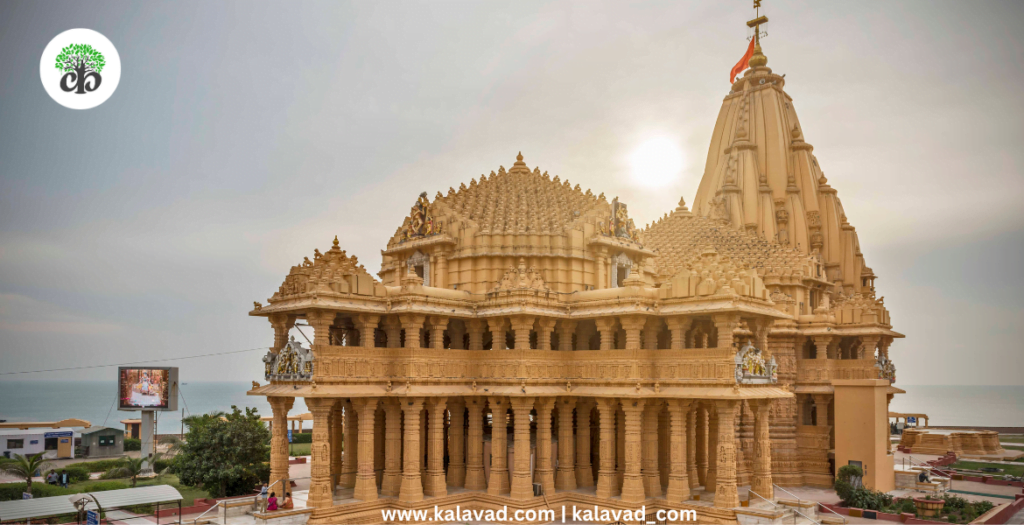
[(622, 265), (419, 263)]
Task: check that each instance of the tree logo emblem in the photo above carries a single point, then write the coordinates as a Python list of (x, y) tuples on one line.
[(80, 63), (80, 69)]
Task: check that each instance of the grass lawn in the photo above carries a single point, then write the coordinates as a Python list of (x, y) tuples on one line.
[(1011, 438), (299, 449), (978, 465), (1013, 447)]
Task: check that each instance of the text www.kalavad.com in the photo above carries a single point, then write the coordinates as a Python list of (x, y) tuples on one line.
[(568, 514)]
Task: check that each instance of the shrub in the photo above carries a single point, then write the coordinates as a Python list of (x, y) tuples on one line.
[(846, 472), (302, 437), (102, 465), (160, 464), (132, 444), (76, 473)]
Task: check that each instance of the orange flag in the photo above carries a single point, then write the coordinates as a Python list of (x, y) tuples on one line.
[(744, 62)]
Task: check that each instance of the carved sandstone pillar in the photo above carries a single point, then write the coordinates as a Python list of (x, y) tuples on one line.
[(584, 332), (435, 483), (413, 327), (566, 329), (632, 481), (282, 324), (521, 327), (761, 481), (632, 324), (366, 478), (412, 485), (320, 490), (651, 329), (545, 325), (393, 331), (350, 439), (476, 329), (584, 470), (607, 484), (456, 331), (701, 424), (606, 327), (711, 479), (499, 482), (620, 448), (475, 479), (565, 476), (724, 325), (678, 326), (321, 321), (337, 437), (649, 449), (678, 477), (392, 481), (821, 344), (437, 327), (457, 442), (498, 327), (691, 446), (543, 472), (367, 325), (821, 402), (866, 350), (441, 277), (726, 496), (522, 484), (279, 439)]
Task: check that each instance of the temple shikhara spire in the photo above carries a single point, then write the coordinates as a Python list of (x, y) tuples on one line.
[(526, 344)]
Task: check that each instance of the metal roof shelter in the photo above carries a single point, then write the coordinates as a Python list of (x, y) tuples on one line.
[(54, 424), (108, 500)]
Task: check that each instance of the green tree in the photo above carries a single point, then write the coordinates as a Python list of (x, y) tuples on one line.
[(24, 467), (225, 455), (130, 468), (80, 57)]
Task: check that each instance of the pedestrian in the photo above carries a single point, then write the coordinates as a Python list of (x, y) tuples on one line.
[(263, 498), (64, 478), (272, 502), (51, 477), (287, 501)]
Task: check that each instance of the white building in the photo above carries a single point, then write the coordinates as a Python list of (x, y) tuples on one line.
[(54, 443)]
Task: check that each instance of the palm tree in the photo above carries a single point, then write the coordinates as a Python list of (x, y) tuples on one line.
[(24, 467), (131, 468)]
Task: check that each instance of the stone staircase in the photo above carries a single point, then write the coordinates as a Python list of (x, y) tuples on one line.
[(783, 511)]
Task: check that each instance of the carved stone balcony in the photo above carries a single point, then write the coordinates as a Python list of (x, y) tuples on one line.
[(823, 371), (344, 364)]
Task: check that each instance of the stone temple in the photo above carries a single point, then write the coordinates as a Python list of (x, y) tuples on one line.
[(525, 344)]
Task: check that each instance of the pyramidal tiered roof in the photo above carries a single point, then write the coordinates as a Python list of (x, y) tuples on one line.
[(519, 201), (681, 236)]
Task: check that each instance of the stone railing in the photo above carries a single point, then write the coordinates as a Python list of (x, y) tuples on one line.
[(340, 364), (825, 370)]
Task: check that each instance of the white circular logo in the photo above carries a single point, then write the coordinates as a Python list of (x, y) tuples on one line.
[(80, 69)]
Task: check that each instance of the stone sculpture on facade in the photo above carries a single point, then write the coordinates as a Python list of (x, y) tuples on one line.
[(421, 222), (292, 363), (753, 369)]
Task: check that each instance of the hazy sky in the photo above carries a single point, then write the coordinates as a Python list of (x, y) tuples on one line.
[(244, 135)]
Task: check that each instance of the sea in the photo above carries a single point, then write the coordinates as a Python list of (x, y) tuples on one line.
[(94, 401)]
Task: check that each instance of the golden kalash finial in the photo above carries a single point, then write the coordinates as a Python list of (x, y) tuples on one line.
[(758, 59)]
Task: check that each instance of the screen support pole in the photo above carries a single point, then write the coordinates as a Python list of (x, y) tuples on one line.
[(147, 442)]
